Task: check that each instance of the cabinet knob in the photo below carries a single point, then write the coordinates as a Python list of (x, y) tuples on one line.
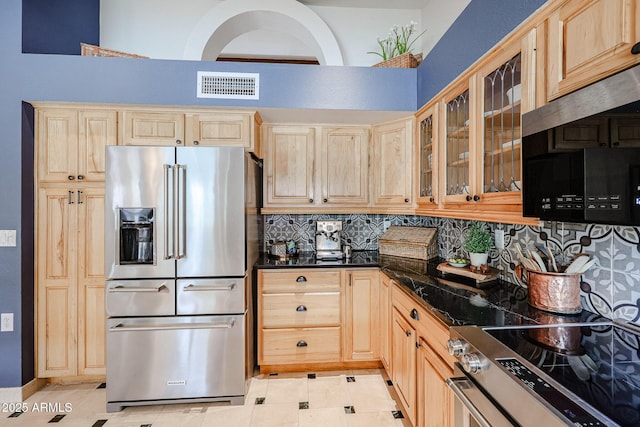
[(324, 200), (468, 198), (406, 200), (80, 177), (310, 200), (615, 143), (196, 142), (432, 200), (476, 198), (301, 308), (408, 333), (414, 314), (301, 343), (602, 144), (301, 279), (71, 177), (178, 142), (635, 49)]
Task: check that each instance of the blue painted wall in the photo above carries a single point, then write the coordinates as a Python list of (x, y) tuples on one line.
[(59, 26), (481, 25)]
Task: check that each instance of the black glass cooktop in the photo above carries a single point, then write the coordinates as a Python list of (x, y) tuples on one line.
[(599, 363)]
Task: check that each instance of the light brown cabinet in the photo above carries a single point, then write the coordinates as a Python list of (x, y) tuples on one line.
[(434, 398), (420, 362), (70, 281), (392, 166), (362, 305), (589, 40), (299, 316), (69, 243), (469, 140), (318, 317), (191, 128), (71, 143), (289, 177), (385, 321), (316, 168)]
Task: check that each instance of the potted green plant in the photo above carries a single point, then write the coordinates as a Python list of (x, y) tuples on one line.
[(478, 243), (398, 44)]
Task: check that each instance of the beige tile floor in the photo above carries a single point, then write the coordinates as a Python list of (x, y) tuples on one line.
[(360, 398)]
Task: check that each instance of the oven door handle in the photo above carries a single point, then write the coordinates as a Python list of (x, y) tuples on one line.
[(169, 327), (192, 288), (455, 386)]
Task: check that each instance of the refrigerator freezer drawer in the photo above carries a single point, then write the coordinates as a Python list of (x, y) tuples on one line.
[(158, 358), (210, 296), (155, 297)]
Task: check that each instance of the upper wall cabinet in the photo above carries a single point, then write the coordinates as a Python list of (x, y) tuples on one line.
[(589, 40), (427, 158), (469, 142), (191, 128), (312, 168), (290, 166), (392, 166), (71, 143)]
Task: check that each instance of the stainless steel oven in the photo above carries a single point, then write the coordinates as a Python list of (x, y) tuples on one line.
[(583, 374)]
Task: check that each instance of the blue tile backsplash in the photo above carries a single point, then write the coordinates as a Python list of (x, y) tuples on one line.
[(611, 287)]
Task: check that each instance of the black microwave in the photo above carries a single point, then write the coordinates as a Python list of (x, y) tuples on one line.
[(581, 155)]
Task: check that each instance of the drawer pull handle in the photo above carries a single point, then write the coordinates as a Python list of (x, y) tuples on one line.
[(408, 333), (301, 343), (301, 279), (301, 308), (414, 314)]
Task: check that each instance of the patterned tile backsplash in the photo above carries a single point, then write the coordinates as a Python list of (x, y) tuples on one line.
[(611, 287)]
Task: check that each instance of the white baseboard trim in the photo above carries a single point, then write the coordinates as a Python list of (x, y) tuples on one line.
[(20, 394)]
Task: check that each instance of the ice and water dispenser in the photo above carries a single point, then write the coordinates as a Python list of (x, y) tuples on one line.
[(136, 235)]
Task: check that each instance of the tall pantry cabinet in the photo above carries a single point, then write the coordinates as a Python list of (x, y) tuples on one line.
[(70, 149)]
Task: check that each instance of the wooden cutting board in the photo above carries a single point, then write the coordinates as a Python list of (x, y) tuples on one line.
[(479, 277)]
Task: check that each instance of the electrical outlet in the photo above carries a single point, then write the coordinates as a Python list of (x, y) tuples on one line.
[(8, 238), (499, 237), (6, 322), (386, 224)]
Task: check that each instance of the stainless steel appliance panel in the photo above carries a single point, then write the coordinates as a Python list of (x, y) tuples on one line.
[(157, 358), (211, 220), (151, 297), (210, 296), (137, 179), (473, 408)]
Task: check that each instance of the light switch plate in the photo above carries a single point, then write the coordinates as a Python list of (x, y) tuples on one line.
[(8, 238), (6, 322)]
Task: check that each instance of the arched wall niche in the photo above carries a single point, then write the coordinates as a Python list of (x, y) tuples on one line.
[(230, 19)]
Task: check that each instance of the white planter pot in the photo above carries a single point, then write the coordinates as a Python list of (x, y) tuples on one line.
[(477, 259)]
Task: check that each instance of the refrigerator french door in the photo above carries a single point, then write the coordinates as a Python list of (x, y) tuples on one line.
[(175, 212), (176, 262)]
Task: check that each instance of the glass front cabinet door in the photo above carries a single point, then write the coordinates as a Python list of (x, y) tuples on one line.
[(427, 158), (505, 85)]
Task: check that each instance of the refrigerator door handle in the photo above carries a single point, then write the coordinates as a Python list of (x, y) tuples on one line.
[(167, 209), (121, 327), (180, 210)]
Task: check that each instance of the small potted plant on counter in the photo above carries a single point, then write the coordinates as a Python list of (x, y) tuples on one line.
[(478, 243)]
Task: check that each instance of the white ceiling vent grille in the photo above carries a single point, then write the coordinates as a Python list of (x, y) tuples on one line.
[(228, 85)]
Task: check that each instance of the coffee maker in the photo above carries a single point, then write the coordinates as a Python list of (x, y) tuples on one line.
[(328, 239)]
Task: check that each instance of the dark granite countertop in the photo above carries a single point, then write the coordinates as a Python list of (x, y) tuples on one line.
[(453, 299)]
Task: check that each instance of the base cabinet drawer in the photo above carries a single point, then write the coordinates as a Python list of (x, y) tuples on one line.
[(301, 310), (300, 281), (303, 345)]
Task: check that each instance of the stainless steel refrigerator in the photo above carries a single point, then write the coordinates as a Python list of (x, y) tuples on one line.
[(181, 236)]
